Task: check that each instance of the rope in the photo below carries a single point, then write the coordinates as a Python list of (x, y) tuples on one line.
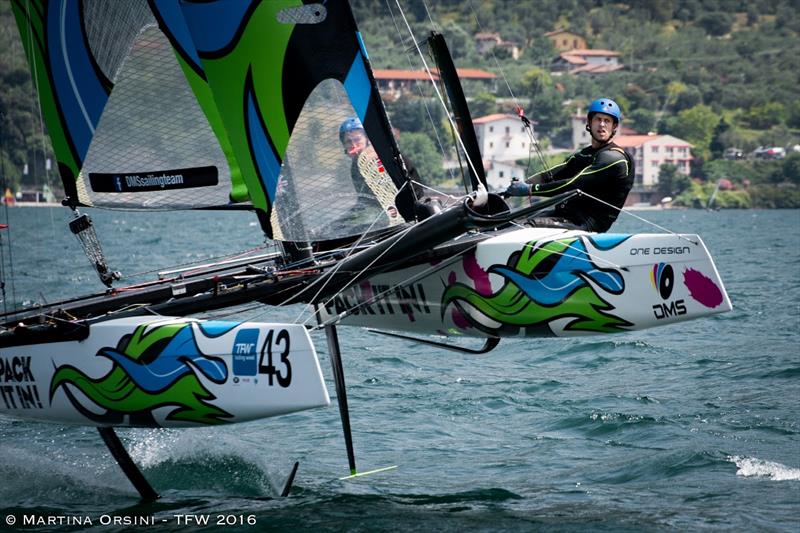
[(349, 251), (378, 296), (418, 85), (436, 89), (338, 266), (233, 255), (662, 228), (534, 142)]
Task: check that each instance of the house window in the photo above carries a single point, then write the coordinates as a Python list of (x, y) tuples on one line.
[(654, 149), (655, 163), (508, 145), (491, 145), (523, 144), (575, 43), (500, 173), (491, 128), (508, 129)]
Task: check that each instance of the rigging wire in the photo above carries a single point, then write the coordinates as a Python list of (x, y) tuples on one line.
[(8, 228), (404, 283), (217, 258), (436, 88), (418, 85), (534, 142), (347, 253), (355, 276), (628, 212)]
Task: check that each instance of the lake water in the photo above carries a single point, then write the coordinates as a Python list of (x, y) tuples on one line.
[(687, 427)]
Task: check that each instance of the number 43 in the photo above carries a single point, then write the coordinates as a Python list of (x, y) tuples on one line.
[(281, 342)]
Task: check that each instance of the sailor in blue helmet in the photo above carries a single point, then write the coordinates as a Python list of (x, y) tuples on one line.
[(602, 170), (355, 141), (353, 137)]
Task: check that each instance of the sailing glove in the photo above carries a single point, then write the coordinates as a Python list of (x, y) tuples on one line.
[(518, 188)]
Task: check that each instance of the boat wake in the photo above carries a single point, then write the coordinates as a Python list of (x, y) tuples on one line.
[(198, 460), (753, 467)]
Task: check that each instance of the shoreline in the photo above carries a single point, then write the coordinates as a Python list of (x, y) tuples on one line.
[(34, 204)]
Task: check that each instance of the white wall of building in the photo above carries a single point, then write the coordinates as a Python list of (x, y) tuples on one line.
[(664, 149), (503, 138), (499, 174), (580, 137)]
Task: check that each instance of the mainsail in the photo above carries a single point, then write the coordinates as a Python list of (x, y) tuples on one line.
[(172, 104), (284, 76), (127, 129)]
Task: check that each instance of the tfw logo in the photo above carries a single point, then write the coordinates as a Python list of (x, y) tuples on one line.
[(244, 352), (244, 347)]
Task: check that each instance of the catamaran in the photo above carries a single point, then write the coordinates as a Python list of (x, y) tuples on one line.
[(184, 104)]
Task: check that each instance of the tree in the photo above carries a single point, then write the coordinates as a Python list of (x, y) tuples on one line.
[(791, 168), (717, 23), (793, 115), (696, 125), (484, 103), (546, 102), (766, 115), (717, 146), (656, 10), (422, 151), (670, 181), (642, 119)]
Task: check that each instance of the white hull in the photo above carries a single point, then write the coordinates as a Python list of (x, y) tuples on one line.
[(544, 282), (164, 372)]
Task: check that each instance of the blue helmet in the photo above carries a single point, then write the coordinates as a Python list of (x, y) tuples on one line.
[(604, 105), (350, 124)]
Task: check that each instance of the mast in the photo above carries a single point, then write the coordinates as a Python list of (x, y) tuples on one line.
[(461, 114)]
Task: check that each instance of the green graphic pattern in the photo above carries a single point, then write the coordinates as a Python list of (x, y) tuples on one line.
[(513, 306), (118, 392)]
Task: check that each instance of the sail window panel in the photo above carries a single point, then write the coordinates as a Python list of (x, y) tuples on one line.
[(153, 147), (111, 28), (324, 193)]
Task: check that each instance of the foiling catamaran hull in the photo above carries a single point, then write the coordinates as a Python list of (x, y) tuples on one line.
[(149, 371), (539, 282)]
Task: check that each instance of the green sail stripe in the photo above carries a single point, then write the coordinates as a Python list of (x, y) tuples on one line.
[(260, 50), (205, 98)]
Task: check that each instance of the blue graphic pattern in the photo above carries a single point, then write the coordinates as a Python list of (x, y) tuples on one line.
[(171, 364), (170, 11), (214, 24), (266, 161), (569, 274), (81, 96), (358, 87)]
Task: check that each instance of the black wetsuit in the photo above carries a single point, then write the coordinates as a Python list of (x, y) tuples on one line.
[(605, 173)]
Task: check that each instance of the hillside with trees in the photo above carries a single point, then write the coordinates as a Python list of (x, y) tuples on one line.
[(721, 74)]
